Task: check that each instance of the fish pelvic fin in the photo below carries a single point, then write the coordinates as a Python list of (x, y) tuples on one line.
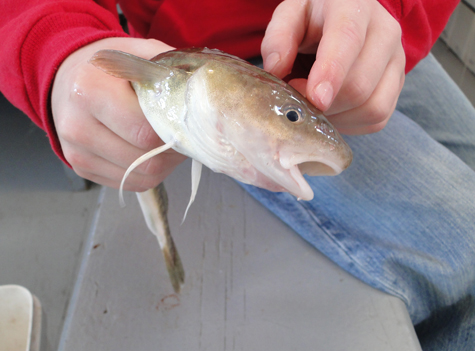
[(196, 167), (136, 69), (154, 205), (138, 162)]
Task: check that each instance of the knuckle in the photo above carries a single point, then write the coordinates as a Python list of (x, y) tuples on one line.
[(401, 59), (395, 29), (378, 113), (376, 127), (83, 173), (149, 182), (77, 160), (351, 30), (71, 130), (134, 188), (81, 87), (144, 136), (151, 167), (337, 69), (358, 91), (392, 28)]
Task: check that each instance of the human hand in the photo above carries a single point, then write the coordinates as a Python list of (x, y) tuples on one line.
[(100, 124), (358, 72)]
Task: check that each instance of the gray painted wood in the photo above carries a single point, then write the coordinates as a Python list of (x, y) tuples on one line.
[(251, 283), (43, 224)]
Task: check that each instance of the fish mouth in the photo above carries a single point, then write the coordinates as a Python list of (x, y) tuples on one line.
[(298, 165)]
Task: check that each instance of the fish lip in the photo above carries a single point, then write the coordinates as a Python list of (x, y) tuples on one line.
[(305, 191), (314, 165)]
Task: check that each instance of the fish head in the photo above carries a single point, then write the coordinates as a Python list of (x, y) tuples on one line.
[(274, 128)]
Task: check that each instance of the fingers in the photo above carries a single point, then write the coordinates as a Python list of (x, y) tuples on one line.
[(373, 115), (101, 156), (100, 148), (300, 85), (115, 107), (85, 133), (99, 170), (375, 58), (359, 64), (344, 33), (283, 36)]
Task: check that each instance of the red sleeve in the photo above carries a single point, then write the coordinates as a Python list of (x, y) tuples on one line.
[(421, 21), (37, 35), (237, 27)]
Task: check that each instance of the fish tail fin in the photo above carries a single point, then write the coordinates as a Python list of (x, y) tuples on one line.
[(138, 162), (123, 65), (154, 205), (174, 265)]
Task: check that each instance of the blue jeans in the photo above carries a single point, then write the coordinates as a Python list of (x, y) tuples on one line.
[(402, 217)]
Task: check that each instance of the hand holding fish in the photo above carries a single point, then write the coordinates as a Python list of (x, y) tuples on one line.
[(358, 71), (100, 124)]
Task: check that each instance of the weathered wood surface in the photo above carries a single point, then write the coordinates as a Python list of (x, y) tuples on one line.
[(251, 283)]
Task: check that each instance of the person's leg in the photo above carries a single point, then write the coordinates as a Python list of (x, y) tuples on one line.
[(433, 100), (401, 219)]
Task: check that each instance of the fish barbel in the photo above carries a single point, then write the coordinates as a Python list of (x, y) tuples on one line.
[(233, 117)]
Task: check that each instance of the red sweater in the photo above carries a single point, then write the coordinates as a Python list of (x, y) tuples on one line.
[(38, 35)]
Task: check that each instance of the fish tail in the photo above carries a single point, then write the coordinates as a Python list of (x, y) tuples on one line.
[(154, 204), (170, 253), (174, 265)]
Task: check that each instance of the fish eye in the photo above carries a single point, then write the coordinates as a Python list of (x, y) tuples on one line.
[(293, 114)]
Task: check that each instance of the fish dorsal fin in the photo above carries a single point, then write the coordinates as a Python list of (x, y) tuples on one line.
[(196, 167), (123, 65), (138, 162)]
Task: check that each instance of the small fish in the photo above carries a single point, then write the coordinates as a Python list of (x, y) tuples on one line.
[(233, 117)]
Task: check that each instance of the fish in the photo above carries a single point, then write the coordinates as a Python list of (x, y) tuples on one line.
[(232, 117)]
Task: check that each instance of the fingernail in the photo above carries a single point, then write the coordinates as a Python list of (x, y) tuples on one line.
[(323, 93), (271, 61)]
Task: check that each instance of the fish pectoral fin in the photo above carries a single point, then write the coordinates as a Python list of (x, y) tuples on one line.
[(136, 69), (138, 162), (196, 167)]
